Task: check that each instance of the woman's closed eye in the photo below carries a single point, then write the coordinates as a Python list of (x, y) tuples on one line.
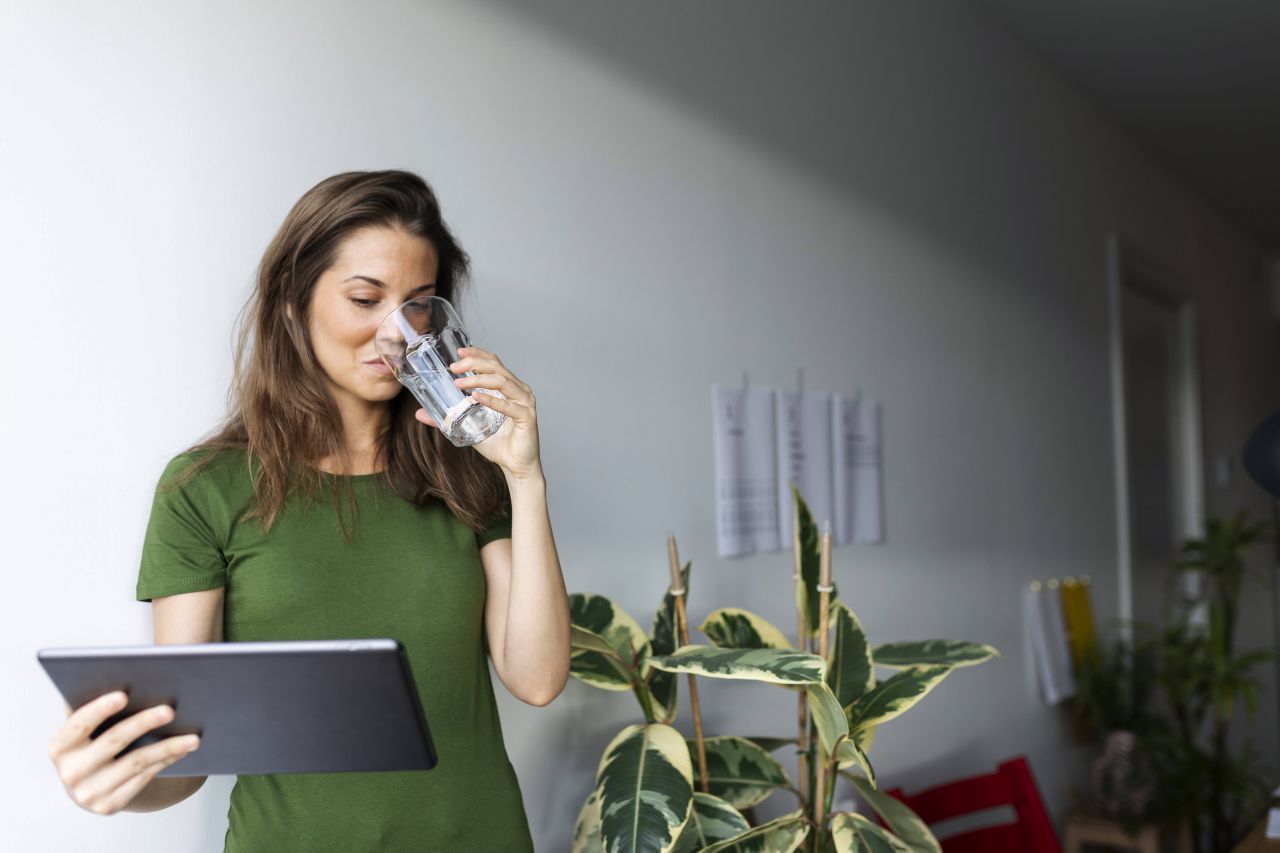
[(365, 303)]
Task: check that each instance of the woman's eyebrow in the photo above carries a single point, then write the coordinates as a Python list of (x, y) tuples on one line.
[(376, 283)]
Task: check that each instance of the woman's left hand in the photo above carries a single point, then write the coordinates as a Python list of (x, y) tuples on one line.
[(514, 447)]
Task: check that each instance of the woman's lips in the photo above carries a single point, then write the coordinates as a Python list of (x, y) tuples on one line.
[(380, 366)]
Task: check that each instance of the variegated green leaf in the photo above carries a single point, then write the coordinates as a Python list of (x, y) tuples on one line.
[(890, 698), (582, 640), (770, 744), (598, 671), (853, 833), (740, 772), (594, 661), (850, 674), (665, 690), (711, 820), (733, 628), (772, 666), (827, 714), (645, 788), (665, 639), (805, 544), (664, 631), (780, 835), (905, 823), (599, 616), (849, 754), (586, 832), (952, 653), (863, 737)]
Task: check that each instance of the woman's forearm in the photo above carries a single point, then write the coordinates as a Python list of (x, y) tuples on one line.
[(536, 639)]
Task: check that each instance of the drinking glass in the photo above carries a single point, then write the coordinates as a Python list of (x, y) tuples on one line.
[(418, 341)]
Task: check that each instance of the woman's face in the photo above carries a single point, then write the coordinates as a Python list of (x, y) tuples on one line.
[(377, 268)]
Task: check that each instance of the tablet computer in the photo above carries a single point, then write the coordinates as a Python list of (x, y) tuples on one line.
[(304, 706)]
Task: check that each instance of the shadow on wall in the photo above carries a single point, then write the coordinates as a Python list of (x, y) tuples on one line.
[(908, 107)]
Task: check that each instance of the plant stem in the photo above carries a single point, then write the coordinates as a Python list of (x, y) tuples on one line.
[(802, 637), (646, 701), (826, 808), (814, 759), (1219, 830), (824, 602), (803, 772)]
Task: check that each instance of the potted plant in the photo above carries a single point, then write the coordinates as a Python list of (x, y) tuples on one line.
[(1207, 682), (657, 791), (1115, 688)]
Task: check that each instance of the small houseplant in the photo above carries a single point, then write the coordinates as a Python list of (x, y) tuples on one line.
[(1116, 687), (656, 791), (1206, 682)]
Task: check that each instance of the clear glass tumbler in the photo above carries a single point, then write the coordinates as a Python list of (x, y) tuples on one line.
[(418, 341)]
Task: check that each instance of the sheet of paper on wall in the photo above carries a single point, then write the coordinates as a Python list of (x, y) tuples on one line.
[(868, 477), (746, 471), (1049, 647), (804, 456), (844, 421)]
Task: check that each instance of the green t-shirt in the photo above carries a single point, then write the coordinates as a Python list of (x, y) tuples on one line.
[(412, 573)]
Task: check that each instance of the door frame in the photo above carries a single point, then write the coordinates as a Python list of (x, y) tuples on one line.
[(1125, 262)]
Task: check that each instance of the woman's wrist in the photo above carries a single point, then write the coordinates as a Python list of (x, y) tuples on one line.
[(526, 481)]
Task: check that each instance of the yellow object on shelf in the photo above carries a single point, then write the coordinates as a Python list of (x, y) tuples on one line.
[(1078, 611)]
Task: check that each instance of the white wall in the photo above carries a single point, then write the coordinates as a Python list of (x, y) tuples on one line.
[(893, 196)]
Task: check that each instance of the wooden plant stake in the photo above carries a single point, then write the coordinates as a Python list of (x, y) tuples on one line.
[(824, 603), (802, 644), (682, 626)]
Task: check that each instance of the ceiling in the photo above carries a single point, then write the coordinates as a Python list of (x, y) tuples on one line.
[(1195, 82)]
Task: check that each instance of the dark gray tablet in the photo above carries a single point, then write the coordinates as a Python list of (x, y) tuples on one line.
[(308, 706)]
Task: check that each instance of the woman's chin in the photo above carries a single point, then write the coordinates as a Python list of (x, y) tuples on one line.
[(381, 391)]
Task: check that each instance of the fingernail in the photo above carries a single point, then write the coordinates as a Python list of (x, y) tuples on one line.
[(118, 697), (191, 742)]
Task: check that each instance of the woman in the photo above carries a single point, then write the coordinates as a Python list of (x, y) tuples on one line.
[(327, 507)]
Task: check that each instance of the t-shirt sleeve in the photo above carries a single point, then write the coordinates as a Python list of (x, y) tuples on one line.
[(500, 529), (182, 551)]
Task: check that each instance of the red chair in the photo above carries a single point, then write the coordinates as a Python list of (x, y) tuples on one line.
[(1011, 785)]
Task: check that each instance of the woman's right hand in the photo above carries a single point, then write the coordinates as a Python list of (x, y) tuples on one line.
[(90, 771)]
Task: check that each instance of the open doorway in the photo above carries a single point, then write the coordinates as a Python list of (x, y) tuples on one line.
[(1156, 406)]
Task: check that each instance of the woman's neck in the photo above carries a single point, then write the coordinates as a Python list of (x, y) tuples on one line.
[(360, 464), (363, 426)]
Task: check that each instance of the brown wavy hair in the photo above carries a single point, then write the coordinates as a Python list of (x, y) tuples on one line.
[(280, 411)]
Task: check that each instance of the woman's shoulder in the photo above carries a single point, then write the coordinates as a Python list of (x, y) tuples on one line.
[(205, 467)]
